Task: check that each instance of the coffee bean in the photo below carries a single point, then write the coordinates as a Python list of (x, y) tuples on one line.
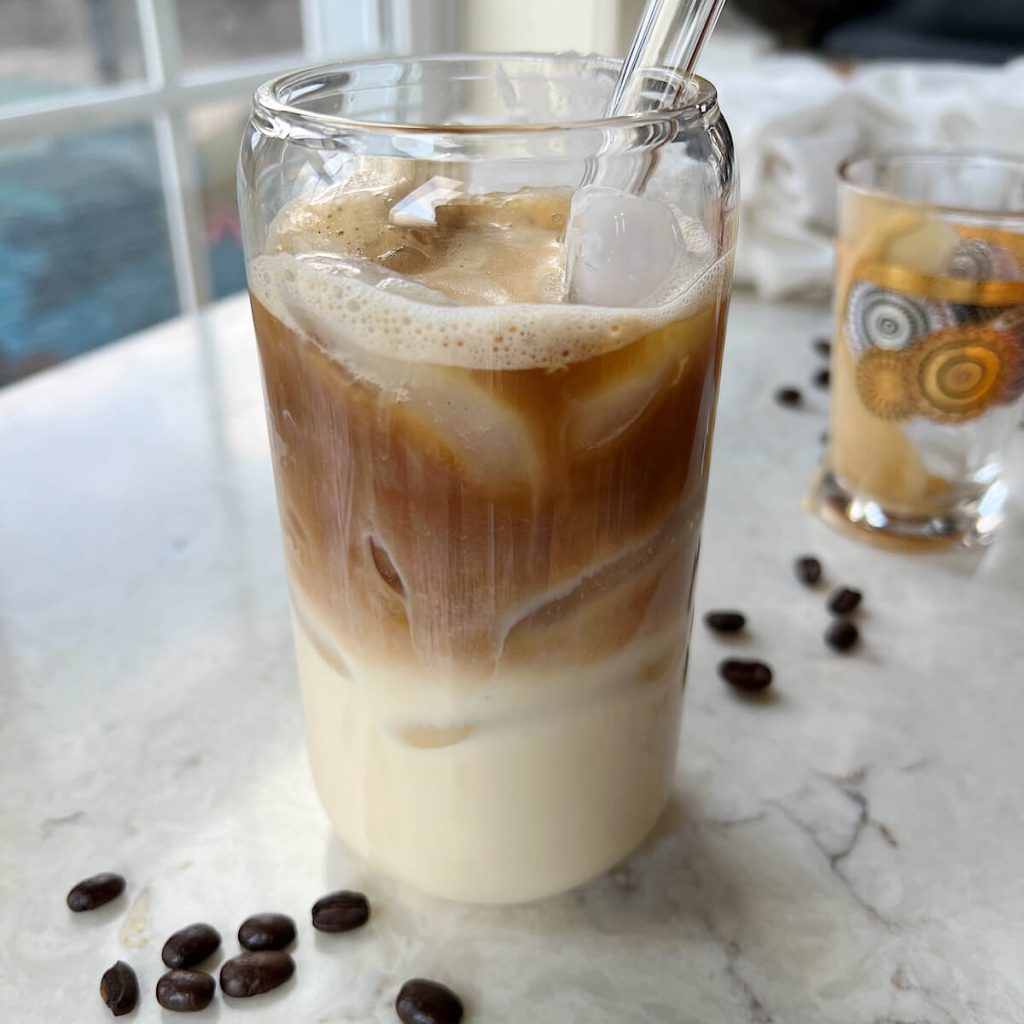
[(119, 989), (788, 396), (428, 1002), (808, 570), (725, 622), (190, 946), (822, 378), (252, 974), (94, 892), (749, 676), (341, 911), (267, 931), (185, 991), (822, 346), (844, 600), (842, 635)]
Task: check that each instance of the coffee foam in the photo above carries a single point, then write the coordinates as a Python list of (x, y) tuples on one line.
[(340, 301)]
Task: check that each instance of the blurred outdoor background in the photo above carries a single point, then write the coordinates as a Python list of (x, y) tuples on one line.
[(120, 121)]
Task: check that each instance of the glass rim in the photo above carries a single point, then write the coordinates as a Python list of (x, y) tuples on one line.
[(948, 157), (274, 99)]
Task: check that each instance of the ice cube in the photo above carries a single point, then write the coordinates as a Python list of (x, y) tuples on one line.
[(621, 249)]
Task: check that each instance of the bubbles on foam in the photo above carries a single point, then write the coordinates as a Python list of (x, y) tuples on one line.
[(346, 303)]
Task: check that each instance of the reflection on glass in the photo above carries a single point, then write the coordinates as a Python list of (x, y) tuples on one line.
[(215, 130), (53, 47), (222, 31), (84, 251)]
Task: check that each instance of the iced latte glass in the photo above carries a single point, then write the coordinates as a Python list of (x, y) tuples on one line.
[(928, 359), (490, 328)]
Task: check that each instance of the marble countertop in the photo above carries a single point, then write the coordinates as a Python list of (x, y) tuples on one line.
[(848, 853)]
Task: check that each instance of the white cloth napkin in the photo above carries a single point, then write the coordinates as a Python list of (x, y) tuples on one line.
[(794, 119)]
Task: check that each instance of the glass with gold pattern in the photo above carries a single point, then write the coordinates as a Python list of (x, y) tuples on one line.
[(928, 359)]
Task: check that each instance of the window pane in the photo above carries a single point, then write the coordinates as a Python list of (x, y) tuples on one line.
[(84, 251), (216, 132), (222, 31), (53, 47)]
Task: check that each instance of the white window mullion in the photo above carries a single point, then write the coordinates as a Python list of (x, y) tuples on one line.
[(162, 45), (184, 214)]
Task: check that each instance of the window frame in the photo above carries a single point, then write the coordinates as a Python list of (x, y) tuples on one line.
[(168, 92)]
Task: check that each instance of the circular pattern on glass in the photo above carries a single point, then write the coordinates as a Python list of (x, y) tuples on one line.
[(879, 318), (885, 383), (963, 371), (977, 260)]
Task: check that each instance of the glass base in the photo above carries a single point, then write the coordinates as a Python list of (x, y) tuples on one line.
[(970, 523)]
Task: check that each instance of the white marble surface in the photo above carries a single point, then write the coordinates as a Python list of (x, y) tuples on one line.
[(849, 853)]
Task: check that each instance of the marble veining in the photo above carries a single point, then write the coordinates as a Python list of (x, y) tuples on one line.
[(846, 851)]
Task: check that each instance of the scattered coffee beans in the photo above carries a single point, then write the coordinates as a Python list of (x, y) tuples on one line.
[(725, 622), (252, 974), (844, 600), (341, 911), (808, 570), (185, 991), (822, 346), (119, 989), (822, 378), (788, 396), (749, 676), (428, 1002), (190, 946), (94, 892), (267, 931), (841, 635)]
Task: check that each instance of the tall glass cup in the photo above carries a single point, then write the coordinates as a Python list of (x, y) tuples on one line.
[(928, 360), (490, 392)]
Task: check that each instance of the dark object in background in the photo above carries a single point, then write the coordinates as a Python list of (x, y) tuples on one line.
[(185, 991), (725, 622), (119, 989), (747, 675), (95, 891), (807, 569), (844, 600), (841, 635), (190, 945), (267, 931), (252, 974), (984, 31), (341, 911), (427, 1002)]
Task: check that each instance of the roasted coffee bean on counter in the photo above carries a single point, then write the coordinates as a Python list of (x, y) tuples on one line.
[(341, 911), (119, 989), (844, 600), (789, 396), (747, 675), (841, 635), (725, 622), (190, 946), (96, 891), (252, 974), (822, 378), (185, 991), (428, 1002), (808, 570), (267, 931), (822, 346)]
